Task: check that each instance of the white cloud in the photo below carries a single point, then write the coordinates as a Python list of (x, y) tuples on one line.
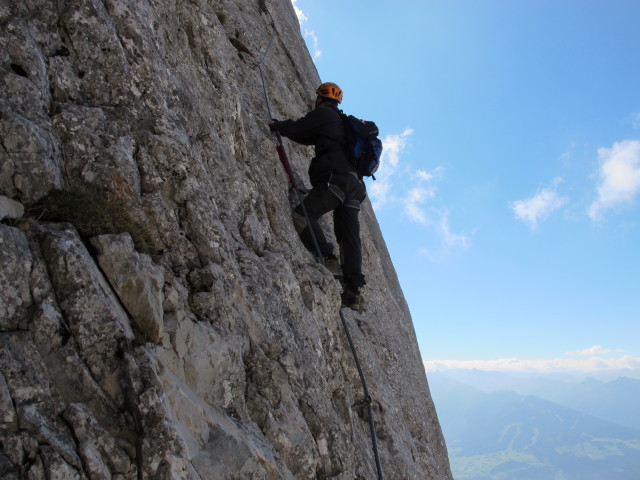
[(451, 240), (416, 193), (413, 203), (540, 206), (595, 350), (311, 35), (619, 177), (635, 120), (300, 14), (392, 148), (424, 175), (307, 32), (587, 364)]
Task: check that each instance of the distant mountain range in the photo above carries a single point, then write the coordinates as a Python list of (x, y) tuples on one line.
[(616, 400), (504, 435)]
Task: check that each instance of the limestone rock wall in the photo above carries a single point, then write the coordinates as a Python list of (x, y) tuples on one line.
[(159, 318)]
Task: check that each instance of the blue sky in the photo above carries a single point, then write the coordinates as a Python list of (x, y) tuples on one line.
[(509, 194)]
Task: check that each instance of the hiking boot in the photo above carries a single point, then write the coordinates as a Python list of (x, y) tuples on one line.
[(333, 264), (351, 297)]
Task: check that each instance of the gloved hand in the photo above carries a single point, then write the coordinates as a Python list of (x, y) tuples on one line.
[(273, 125)]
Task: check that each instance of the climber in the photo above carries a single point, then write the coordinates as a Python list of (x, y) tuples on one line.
[(335, 186)]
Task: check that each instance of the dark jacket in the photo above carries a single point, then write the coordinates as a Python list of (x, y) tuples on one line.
[(324, 128)]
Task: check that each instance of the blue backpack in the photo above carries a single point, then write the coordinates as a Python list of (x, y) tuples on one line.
[(363, 145)]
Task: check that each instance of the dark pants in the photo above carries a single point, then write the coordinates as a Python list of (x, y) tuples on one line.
[(343, 194)]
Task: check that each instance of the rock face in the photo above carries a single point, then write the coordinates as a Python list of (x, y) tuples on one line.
[(169, 324)]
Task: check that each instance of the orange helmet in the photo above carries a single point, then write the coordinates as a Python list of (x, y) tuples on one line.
[(330, 90)]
